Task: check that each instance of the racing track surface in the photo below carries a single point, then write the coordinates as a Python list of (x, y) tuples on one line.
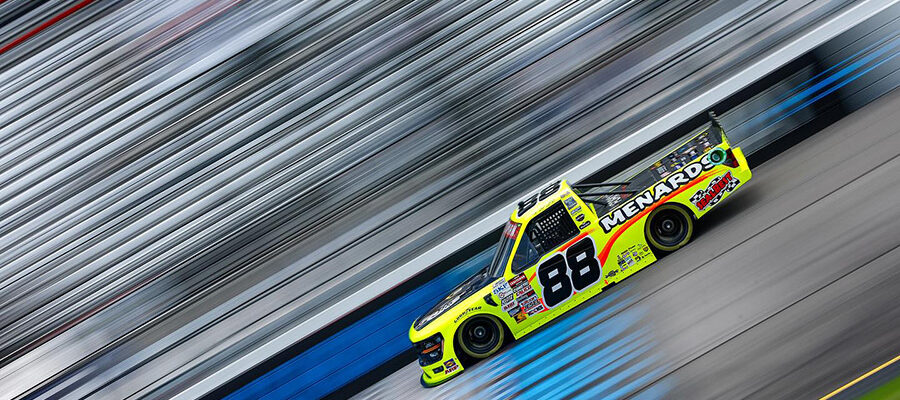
[(790, 291), (181, 181)]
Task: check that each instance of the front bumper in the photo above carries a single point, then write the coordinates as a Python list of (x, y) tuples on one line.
[(432, 380), (445, 367), (441, 371)]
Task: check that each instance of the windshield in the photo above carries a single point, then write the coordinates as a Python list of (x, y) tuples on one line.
[(507, 242)]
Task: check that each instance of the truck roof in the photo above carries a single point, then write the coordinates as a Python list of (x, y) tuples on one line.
[(536, 202)]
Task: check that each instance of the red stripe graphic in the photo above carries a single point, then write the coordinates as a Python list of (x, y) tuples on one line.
[(43, 26), (608, 246)]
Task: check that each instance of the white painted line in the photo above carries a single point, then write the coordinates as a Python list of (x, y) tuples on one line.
[(821, 34)]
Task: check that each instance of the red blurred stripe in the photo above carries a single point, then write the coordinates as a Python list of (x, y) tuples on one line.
[(43, 26)]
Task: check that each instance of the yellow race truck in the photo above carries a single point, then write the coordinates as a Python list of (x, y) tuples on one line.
[(566, 243)]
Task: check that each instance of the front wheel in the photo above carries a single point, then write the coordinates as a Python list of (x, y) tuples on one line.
[(669, 227), (480, 336)]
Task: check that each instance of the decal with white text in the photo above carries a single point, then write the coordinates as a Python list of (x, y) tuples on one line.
[(525, 295), (717, 188), (653, 194), (507, 299)]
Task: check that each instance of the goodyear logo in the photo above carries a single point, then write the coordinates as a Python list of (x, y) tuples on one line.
[(466, 312)]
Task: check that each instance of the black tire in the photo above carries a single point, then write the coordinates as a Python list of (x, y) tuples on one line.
[(669, 227), (480, 336)]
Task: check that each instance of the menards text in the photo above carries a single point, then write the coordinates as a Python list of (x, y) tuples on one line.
[(653, 194)]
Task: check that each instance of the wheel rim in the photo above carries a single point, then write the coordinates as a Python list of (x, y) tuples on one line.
[(669, 228), (481, 336)]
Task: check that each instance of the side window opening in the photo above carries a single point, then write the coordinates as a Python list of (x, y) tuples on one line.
[(526, 255), (546, 231)]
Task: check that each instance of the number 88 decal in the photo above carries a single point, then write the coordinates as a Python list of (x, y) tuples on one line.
[(556, 281)]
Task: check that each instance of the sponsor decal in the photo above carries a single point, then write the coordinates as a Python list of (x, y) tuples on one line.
[(535, 310), (529, 303), (611, 274), (519, 283), (575, 210), (653, 194), (524, 294), (718, 186), (625, 260), (499, 287), (532, 305), (511, 230), (639, 251), (450, 366), (579, 217), (570, 202), (508, 302), (504, 292), (584, 225), (523, 291), (632, 255), (520, 316), (466, 312)]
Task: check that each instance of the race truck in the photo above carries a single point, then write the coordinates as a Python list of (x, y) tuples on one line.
[(567, 243)]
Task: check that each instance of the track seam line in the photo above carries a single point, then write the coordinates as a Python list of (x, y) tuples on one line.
[(748, 239), (879, 256), (701, 265)]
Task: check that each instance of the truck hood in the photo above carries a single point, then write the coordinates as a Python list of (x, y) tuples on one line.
[(461, 292)]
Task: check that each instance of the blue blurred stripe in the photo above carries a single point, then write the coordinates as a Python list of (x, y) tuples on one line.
[(846, 81), (828, 70), (382, 335), (808, 96), (359, 348)]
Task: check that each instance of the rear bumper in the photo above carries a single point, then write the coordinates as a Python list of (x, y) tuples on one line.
[(743, 169)]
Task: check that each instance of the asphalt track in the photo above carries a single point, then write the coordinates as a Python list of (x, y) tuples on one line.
[(790, 291), (185, 181)]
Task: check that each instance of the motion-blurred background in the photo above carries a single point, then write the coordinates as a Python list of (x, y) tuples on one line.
[(184, 185)]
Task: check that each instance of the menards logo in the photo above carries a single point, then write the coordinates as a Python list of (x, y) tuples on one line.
[(653, 194)]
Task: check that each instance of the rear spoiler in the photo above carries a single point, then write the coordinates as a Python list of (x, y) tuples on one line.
[(674, 158), (716, 127)]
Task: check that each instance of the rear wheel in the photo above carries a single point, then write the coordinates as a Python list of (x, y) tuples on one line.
[(481, 336), (669, 227)]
